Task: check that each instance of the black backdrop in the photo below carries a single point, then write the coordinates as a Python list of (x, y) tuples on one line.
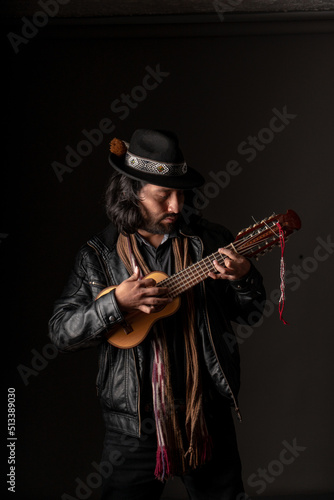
[(217, 88)]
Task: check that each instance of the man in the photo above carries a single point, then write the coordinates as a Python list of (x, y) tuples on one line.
[(166, 401)]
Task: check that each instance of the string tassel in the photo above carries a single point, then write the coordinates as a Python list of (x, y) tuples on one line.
[(282, 275)]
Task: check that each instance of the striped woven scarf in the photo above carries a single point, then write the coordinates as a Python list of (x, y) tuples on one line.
[(171, 458)]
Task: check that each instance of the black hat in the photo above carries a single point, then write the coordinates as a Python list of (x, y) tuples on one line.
[(154, 156)]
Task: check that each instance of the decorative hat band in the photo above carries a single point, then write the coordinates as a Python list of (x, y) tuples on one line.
[(154, 167)]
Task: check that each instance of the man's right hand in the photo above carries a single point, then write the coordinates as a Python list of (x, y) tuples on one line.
[(143, 295)]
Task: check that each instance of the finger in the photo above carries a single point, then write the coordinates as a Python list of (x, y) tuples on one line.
[(219, 276), (231, 254), (222, 272), (148, 282), (135, 275), (161, 290), (156, 307), (156, 301), (153, 300), (229, 264), (153, 291), (145, 309), (219, 267)]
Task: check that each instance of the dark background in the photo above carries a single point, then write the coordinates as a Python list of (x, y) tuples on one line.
[(225, 77)]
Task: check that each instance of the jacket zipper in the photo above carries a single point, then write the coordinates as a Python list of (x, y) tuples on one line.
[(138, 381), (236, 408), (96, 283)]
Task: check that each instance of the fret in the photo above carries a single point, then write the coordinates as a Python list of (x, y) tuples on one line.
[(204, 267), (208, 268), (256, 239), (198, 271), (192, 275)]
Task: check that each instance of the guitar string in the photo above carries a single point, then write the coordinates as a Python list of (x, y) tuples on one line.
[(193, 274), (196, 273)]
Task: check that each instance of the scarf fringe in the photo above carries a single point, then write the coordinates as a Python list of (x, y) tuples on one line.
[(197, 456), (171, 458), (163, 466)]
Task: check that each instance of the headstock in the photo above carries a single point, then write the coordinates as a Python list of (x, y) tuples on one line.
[(262, 236)]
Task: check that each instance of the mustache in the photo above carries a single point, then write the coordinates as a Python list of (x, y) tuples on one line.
[(169, 215)]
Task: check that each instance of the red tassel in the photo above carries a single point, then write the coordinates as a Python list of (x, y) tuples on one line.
[(282, 274)]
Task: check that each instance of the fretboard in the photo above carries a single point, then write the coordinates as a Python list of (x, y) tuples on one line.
[(192, 275), (254, 240)]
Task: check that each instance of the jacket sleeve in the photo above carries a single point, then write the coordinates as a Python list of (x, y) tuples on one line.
[(79, 321), (247, 297)]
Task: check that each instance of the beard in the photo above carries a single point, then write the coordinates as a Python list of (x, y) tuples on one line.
[(155, 225)]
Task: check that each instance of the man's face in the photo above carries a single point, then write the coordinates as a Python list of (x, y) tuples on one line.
[(160, 208)]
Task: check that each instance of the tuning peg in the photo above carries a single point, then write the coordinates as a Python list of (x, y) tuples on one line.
[(243, 230)]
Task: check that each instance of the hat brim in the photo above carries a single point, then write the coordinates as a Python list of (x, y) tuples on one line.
[(189, 180)]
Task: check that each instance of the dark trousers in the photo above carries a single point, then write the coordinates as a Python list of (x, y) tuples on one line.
[(132, 464)]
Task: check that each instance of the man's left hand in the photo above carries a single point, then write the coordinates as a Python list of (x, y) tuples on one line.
[(236, 266)]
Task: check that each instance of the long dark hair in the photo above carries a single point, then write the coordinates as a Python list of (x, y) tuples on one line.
[(122, 203)]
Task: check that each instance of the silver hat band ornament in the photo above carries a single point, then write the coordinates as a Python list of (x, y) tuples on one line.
[(155, 167)]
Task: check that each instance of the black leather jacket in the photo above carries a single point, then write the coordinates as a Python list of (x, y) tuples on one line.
[(79, 321)]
